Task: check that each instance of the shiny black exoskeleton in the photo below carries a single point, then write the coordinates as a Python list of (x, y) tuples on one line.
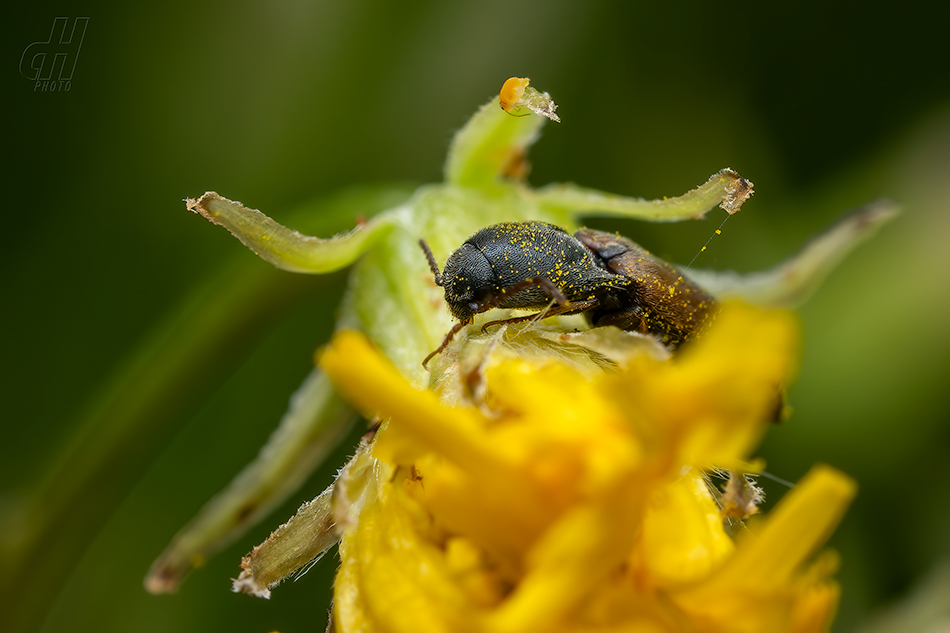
[(532, 264), (523, 265)]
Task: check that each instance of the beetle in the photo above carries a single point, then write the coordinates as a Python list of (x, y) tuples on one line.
[(662, 301), (536, 265)]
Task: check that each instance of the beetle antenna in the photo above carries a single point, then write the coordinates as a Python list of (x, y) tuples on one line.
[(433, 266), (718, 232)]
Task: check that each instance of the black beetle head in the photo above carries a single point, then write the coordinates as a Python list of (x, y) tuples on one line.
[(469, 282)]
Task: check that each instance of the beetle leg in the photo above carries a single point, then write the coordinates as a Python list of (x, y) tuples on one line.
[(445, 342), (511, 291), (630, 319), (571, 308)]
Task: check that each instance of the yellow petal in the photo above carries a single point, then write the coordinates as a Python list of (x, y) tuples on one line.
[(756, 589), (683, 539), (416, 418)]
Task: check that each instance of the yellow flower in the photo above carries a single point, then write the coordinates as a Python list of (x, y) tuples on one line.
[(393, 301), (563, 499)]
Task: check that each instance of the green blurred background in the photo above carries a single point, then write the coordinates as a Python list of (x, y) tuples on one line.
[(825, 107)]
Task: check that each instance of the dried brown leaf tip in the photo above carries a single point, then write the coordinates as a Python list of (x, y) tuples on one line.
[(738, 190)]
